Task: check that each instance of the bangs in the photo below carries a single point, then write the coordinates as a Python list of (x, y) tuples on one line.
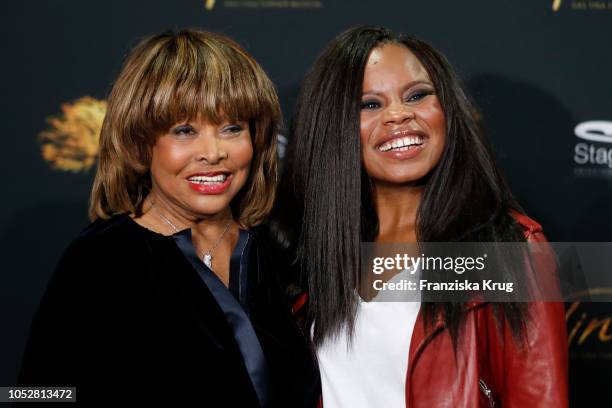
[(196, 77)]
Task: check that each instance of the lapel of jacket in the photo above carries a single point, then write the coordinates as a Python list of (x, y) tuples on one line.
[(237, 319), (422, 335)]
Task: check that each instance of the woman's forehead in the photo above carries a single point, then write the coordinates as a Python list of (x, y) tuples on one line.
[(393, 61)]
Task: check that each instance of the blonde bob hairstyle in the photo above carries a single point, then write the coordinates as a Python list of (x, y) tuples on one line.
[(174, 77)]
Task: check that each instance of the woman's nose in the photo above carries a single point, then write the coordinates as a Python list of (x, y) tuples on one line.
[(397, 113), (209, 147)]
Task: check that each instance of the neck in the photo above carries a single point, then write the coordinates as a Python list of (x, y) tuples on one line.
[(204, 228), (397, 207)]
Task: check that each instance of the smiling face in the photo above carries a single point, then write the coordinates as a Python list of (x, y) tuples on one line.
[(402, 123), (198, 167)]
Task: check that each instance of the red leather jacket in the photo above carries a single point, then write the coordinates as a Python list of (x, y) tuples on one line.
[(488, 369)]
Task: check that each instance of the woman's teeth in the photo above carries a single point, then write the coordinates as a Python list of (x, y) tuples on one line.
[(401, 144), (208, 180)]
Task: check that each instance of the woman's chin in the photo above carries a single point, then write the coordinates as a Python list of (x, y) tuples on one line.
[(215, 205), (402, 180)]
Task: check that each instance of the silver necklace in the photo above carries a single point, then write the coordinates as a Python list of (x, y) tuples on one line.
[(206, 254)]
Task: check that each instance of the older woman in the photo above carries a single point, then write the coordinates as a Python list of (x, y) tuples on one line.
[(386, 147), (169, 293)]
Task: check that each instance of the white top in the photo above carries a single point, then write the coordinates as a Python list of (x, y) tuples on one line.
[(370, 372)]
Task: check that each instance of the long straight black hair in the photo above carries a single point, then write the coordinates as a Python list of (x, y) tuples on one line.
[(326, 204)]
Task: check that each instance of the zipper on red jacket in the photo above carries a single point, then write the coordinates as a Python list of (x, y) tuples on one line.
[(487, 392)]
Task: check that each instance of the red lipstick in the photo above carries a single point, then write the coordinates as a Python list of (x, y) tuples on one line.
[(198, 183)]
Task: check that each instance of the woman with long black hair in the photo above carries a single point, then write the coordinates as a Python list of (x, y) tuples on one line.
[(386, 147)]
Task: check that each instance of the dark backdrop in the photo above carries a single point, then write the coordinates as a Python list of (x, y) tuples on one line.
[(536, 72)]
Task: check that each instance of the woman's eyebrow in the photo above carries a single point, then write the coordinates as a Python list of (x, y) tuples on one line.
[(403, 88)]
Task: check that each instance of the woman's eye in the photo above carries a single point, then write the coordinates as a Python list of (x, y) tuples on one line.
[(184, 130), (233, 129), (368, 105), (418, 95)]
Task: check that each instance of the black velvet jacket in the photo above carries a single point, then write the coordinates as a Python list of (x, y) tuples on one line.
[(132, 315)]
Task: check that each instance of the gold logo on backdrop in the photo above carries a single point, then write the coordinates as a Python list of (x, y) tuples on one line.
[(589, 328), (586, 326), (71, 141), (579, 5), (266, 4)]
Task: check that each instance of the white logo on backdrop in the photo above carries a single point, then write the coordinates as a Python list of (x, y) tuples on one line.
[(593, 155), (595, 130)]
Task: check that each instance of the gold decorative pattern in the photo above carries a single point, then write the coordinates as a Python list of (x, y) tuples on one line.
[(71, 142)]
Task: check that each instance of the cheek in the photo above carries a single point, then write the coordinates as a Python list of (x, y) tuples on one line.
[(367, 125), (434, 116), (241, 152), (168, 158)]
